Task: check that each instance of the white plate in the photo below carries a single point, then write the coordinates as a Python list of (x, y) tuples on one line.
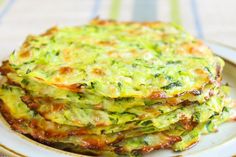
[(222, 143)]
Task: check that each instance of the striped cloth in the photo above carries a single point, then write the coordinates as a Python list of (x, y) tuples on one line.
[(206, 19)]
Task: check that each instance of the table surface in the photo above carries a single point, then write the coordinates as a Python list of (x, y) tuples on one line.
[(206, 19)]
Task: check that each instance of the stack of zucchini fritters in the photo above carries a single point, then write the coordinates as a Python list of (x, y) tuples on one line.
[(114, 88)]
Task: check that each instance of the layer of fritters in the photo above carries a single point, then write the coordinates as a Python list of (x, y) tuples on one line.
[(180, 139), (129, 120), (71, 114), (170, 114), (67, 113), (141, 60), (157, 121), (28, 122), (90, 101), (22, 119), (198, 113), (96, 102)]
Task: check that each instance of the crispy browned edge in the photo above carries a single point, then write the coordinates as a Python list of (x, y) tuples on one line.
[(39, 134)]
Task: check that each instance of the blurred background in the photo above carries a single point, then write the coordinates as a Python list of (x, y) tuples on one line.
[(206, 19)]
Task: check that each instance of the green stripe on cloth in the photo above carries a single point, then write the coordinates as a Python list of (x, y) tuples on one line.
[(115, 9), (1, 2), (145, 10), (175, 11)]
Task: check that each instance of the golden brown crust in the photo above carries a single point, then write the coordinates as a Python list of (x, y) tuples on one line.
[(46, 131), (5, 68)]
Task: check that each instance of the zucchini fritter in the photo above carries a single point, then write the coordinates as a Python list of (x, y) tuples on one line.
[(114, 88), (115, 60)]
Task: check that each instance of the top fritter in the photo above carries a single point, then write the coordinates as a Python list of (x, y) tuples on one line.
[(144, 60)]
